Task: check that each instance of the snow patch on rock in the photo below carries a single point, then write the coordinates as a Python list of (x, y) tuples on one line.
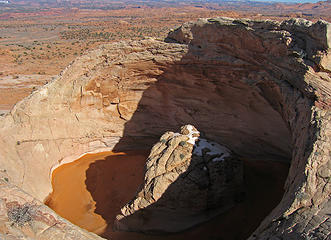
[(203, 146), (192, 138)]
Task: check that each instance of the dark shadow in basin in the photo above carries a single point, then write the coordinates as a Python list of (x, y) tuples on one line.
[(231, 105), (263, 182)]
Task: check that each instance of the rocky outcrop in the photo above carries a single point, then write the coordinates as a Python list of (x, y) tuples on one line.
[(262, 88), (24, 217), (188, 180)]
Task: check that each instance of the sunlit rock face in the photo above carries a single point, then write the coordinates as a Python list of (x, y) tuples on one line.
[(260, 88), (24, 217), (188, 180)]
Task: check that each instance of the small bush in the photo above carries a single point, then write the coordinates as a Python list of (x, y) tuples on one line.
[(20, 215)]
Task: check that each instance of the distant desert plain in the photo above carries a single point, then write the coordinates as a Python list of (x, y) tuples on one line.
[(38, 39)]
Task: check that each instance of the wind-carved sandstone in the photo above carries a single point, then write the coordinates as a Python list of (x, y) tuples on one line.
[(260, 87), (188, 180)]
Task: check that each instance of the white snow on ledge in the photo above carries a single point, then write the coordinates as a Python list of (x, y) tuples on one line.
[(216, 149), (192, 139), (212, 148)]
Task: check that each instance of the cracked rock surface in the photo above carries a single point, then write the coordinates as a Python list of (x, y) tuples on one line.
[(24, 217), (188, 180)]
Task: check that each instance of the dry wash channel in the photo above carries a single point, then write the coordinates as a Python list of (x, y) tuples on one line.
[(262, 89)]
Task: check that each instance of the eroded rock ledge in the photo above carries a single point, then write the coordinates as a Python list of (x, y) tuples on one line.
[(24, 217), (262, 88)]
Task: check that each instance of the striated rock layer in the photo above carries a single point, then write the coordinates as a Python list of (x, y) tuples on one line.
[(261, 88), (188, 180)]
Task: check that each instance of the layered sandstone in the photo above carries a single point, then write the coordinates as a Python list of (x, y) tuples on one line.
[(188, 180), (261, 88)]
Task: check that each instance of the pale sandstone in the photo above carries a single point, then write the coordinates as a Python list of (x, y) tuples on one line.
[(24, 217), (262, 88), (188, 180)]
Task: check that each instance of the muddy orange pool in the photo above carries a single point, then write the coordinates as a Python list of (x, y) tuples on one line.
[(90, 191)]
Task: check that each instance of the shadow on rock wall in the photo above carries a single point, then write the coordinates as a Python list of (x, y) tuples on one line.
[(263, 184), (242, 91), (218, 97)]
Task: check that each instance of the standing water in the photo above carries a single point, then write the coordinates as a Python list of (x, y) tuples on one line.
[(90, 192)]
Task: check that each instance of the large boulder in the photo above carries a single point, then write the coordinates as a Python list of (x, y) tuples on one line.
[(188, 180)]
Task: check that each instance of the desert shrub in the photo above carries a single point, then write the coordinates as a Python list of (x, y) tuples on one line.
[(20, 215)]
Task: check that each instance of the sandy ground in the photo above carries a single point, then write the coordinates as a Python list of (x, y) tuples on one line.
[(14, 88), (90, 191)]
